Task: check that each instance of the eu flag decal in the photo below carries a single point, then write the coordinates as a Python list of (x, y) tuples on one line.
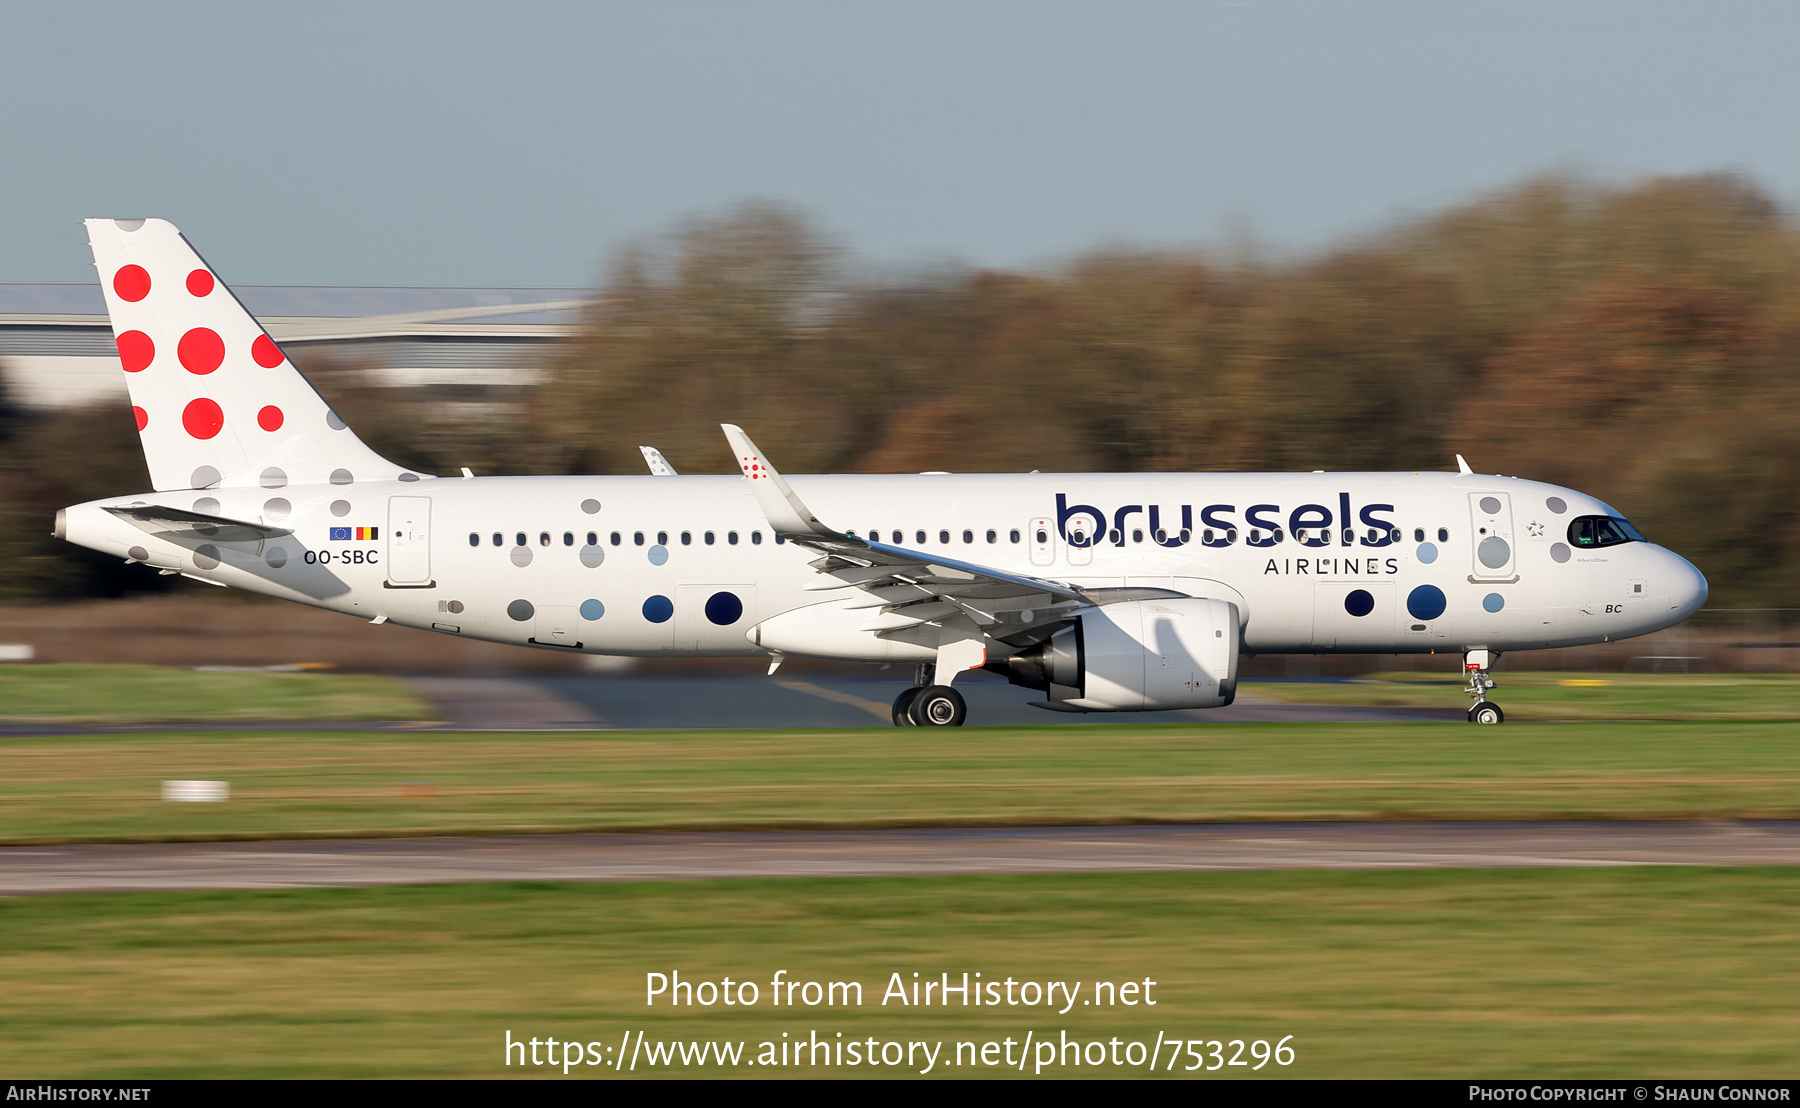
[(340, 534)]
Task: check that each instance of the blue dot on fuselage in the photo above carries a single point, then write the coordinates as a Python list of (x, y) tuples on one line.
[(658, 609), (592, 609), (1493, 602), (1426, 602), (1427, 552), (1359, 603), (724, 608)]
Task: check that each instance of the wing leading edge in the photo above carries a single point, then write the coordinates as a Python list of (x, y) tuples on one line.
[(905, 589)]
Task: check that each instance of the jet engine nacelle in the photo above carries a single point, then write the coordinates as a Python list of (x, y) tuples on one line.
[(1136, 656)]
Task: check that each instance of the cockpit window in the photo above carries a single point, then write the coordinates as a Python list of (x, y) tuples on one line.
[(1592, 531)]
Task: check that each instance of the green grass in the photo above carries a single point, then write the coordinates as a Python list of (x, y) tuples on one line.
[(1567, 696), (106, 787), (77, 693), (1571, 973)]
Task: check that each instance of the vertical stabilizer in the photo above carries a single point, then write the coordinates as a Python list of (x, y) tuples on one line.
[(216, 401)]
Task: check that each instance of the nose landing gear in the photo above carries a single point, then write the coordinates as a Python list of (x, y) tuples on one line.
[(1475, 664)]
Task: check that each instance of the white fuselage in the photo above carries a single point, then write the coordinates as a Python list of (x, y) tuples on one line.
[(623, 565)]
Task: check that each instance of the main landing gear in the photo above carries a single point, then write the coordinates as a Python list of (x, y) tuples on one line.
[(929, 705), (1475, 664)]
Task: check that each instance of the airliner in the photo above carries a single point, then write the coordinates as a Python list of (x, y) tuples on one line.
[(1102, 592)]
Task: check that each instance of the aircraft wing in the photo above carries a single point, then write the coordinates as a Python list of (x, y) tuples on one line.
[(904, 588), (185, 526), (659, 465)]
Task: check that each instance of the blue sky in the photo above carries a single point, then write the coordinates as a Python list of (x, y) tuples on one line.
[(458, 143)]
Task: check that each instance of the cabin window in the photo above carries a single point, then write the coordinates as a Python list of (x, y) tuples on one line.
[(1014, 535), (499, 540), (474, 538), (731, 537), (519, 539), (1116, 536), (709, 538), (968, 536), (1443, 534), (662, 538), (1043, 536), (1137, 534), (568, 538), (993, 536), (1418, 534), (687, 538), (899, 538), (943, 536), (779, 539), (615, 538), (756, 538), (543, 538), (593, 538), (921, 537)]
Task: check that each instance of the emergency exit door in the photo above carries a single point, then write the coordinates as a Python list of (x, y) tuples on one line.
[(409, 542)]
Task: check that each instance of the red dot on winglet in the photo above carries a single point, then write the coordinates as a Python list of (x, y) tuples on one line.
[(266, 353), (142, 417), (201, 350), (269, 419), (202, 418), (136, 351), (132, 283), (200, 282)]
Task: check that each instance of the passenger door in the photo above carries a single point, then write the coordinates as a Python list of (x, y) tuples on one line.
[(1490, 524), (409, 542)]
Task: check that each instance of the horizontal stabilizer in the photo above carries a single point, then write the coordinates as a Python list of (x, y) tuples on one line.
[(179, 524)]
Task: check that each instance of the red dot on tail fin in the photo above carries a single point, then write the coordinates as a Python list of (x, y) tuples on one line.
[(132, 283), (201, 350), (202, 418), (142, 417), (269, 419), (200, 282), (266, 353), (136, 351)]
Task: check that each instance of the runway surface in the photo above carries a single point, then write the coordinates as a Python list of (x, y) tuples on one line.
[(686, 856), (626, 702), (700, 702)]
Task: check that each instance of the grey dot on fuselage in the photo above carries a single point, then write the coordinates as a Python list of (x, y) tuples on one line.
[(590, 506), (128, 224), (342, 477), (139, 553), (409, 477), (520, 610), (276, 557), (206, 506), (273, 478), (1559, 552), (521, 555), (340, 508), (204, 478), (334, 421), (206, 556), (277, 508)]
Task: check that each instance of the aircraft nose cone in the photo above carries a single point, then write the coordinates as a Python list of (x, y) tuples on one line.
[(1687, 587)]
